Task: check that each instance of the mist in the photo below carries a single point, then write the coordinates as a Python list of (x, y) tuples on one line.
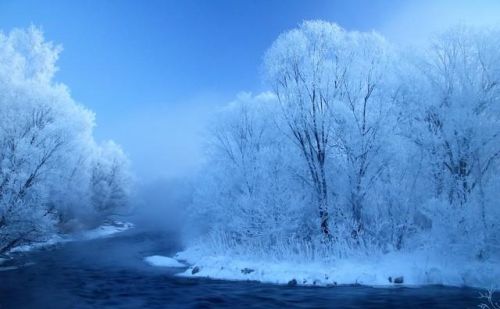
[(166, 140), (160, 204)]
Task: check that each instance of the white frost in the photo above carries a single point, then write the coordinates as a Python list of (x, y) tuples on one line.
[(163, 261)]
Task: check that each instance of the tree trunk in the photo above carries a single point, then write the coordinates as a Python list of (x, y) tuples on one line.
[(323, 205)]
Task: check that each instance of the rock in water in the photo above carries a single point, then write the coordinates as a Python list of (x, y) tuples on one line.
[(246, 271), (195, 270), (399, 280), (292, 282)]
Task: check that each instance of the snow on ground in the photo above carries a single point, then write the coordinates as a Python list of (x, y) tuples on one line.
[(163, 261), (386, 270), (55, 239), (104, 230)]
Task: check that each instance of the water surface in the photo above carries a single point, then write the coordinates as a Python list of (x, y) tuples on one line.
[(110, 273)]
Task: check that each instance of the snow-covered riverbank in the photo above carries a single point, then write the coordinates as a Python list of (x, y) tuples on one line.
[(104, 230), (385, 270), (163, 261)]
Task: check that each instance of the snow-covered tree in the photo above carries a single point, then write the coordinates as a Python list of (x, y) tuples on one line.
[(110, 179), (451, 113), (378, 148), (45, 141), (307, 68), (457, 114), (364, 126), (247, 188), (334, 93)]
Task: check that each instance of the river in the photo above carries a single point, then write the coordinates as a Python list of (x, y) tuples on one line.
[(111, 273)]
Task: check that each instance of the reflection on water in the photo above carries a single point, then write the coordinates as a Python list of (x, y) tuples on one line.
[(110, 273)]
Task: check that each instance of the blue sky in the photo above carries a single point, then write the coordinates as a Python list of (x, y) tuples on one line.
[(154, 70)]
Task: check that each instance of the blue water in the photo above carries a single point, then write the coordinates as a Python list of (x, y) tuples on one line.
[(110, 273)]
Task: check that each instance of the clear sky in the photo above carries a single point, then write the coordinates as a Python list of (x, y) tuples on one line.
[(154, 70)]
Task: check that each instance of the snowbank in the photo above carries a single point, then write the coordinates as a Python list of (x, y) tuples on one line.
[(386, 270), (55, 239), (104, 230), (163, 261)]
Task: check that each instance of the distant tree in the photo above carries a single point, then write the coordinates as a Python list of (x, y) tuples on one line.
[(110, 179)]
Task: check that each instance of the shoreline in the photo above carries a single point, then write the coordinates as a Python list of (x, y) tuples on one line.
[(390, 270), (104, 230)]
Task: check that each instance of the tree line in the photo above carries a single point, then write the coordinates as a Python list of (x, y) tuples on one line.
[(53, 175), (359, 146)]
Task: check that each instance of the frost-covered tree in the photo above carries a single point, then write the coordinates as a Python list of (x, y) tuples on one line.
[(110, 179), (247, 189), (452, 115), (307, 68), (458, 112), (45, 138), (364, 125), (380, 149), (334, 96)]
